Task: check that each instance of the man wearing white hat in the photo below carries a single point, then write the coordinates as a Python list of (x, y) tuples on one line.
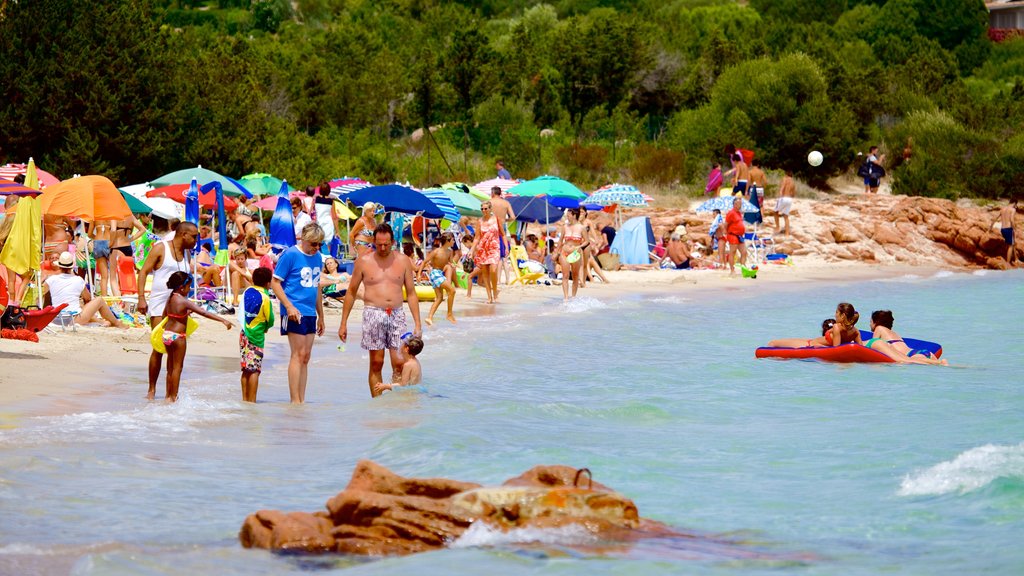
[(66, 288)]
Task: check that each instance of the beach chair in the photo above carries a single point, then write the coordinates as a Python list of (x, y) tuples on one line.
[(516, 255), (65, 319), (759, 246)]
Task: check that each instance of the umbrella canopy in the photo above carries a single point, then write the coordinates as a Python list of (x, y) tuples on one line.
[(89, 198), (723, 203), (346, 184), (482, 190), (23, 248), (396, 198), (465, 203), (343, 211), (442, 201), (282, 223), (176, 192), (621, 194), (548, 186), (9, 171), (535, 209), (135, 205), (7, 187), (261, 184), (202, 177)]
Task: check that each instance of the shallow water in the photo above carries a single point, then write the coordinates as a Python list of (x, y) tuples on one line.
[(809, 467)]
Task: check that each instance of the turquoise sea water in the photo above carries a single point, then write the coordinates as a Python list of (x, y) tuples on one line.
[(789, 466)]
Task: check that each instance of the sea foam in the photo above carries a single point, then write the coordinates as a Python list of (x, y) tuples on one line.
[(480, 534), (969, 471)]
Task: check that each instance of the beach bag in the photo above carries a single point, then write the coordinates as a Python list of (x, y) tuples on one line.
[(608, 261), (13, 318), (468, 266)]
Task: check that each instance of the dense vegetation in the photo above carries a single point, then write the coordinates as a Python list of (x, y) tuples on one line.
[(645, 91)]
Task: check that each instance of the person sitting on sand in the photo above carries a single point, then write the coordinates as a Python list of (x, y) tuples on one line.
[(442, 276), (176, 325), (412, 372), (677, 256), (333, 283), (241, 277), (892, 344), (67, 288), (842, 332)]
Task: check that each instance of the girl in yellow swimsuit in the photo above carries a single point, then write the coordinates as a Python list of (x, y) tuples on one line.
[(177, 311)]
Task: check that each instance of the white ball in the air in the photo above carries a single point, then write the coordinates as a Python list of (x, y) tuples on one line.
[(815, 158)]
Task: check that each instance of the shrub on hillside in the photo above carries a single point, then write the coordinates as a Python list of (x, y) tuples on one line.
[(661, 166), (582, 161)]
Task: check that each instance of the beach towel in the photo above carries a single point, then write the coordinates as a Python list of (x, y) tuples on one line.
[(156, 338)]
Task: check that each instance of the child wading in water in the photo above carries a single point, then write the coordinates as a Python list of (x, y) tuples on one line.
[(411, 371), (442, 276), (844, 330), (175, 330), (259, 317)]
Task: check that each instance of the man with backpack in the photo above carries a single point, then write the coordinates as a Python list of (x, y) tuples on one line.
[(871, 170)]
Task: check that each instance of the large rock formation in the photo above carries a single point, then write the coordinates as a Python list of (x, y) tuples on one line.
[(381, 513)]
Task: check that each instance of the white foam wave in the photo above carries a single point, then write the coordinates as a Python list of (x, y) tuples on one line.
[(943, 274), (480, 534), (579, 304), (969, 471), (155, 419), (980, 273), (670, 300)]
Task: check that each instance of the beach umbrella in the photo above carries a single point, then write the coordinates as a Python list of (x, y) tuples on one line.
[(261, 184), (443, 202), (177, 193), (346, 184), (282, 223), (482, 190), (396, 198), (621, 194), (465, 203), (89, 198), (9, 171), (202, 176), (23, 249), (135, 205), (548, 186), (192, 203), (11, 188), (723, 203), (535, 209)]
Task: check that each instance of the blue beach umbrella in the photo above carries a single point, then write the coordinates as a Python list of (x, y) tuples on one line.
[(535, 209), (724, 203), (442, 201), (192, 203), (282, 224), (396, 198)]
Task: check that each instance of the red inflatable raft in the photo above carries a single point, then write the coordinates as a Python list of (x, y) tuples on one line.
[(844, 353)]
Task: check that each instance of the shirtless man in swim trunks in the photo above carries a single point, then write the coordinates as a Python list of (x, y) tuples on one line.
[(787, 190), (442, 274), (1006, 229), (384, 272)]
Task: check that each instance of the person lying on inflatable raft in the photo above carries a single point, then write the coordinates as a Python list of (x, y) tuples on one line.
[(843, 333)]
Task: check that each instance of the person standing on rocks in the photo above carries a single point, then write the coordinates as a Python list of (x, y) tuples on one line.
[(784, 204), (385, 273), (1006, 228), (874, 162)]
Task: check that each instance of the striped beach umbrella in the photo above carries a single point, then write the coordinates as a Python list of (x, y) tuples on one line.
[(621, 194), (482, 190), (442, 201), (347, 184), (9, 171)]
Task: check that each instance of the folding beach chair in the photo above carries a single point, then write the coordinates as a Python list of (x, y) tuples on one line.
[(516, 255), (759, 246)]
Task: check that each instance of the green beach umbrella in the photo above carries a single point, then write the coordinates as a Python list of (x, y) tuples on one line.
[(135, 205), (466, 204), (552, 186), (262, 184), (230, 186)]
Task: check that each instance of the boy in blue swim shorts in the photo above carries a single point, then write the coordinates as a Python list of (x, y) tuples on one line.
[(442, 276)]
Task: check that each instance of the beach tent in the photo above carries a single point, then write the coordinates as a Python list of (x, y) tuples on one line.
[(634, 241)]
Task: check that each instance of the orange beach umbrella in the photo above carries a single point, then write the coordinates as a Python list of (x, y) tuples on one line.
[(89, 198)]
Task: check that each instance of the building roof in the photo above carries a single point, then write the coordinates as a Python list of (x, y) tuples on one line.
[(1004, 4)]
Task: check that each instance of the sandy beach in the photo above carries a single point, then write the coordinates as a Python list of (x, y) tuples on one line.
[(63, 366)]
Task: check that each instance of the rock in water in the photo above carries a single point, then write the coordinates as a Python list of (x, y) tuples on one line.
[(382, 513)]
